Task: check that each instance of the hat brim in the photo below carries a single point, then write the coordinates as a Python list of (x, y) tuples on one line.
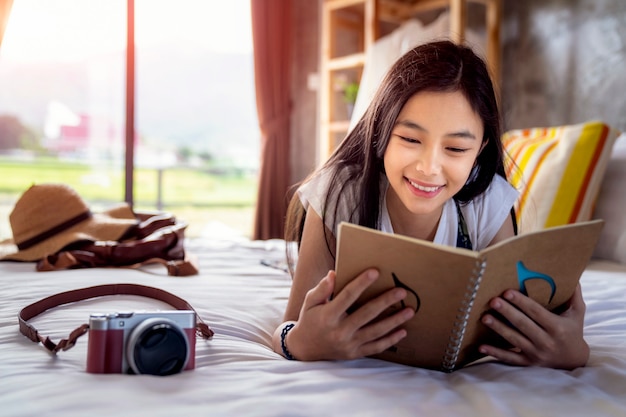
[(109, 225)]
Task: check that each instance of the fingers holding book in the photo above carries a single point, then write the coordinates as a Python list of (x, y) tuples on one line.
[(325, 330), (378, 320), (539, 337)]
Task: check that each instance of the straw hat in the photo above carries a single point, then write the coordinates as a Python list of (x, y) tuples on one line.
[(48, 217)]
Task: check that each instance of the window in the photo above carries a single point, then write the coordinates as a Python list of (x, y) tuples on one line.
[(62, 115)]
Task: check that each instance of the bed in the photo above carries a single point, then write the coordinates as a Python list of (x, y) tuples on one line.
[(241, 292)]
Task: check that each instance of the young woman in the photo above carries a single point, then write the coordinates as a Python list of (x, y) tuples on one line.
[(424, 161)]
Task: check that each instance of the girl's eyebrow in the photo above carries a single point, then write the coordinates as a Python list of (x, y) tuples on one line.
[(412, 125)]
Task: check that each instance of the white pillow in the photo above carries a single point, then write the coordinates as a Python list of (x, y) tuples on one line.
[(611, 206)]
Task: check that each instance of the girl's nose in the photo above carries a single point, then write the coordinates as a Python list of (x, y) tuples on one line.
[(428, 162)]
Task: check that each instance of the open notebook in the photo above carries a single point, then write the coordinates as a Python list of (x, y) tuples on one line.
[(450, 288)]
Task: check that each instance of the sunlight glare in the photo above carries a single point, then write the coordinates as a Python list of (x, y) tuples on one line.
[(31, 35), (214, 25)]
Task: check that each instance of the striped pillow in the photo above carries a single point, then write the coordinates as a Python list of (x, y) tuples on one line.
[(558, 171)]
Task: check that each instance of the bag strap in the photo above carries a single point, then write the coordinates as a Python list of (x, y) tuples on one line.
[(36, 308)]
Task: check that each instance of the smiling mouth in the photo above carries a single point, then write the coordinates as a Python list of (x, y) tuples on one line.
[(424, 188)]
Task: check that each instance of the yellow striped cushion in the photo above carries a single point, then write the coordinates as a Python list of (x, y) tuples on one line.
[(558, 171)]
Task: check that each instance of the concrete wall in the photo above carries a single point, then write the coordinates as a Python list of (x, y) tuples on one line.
[(564, 61)]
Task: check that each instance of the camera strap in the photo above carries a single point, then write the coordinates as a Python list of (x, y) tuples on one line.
[(36, 308)]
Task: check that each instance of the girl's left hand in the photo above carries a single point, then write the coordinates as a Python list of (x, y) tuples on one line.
[(539, 336)]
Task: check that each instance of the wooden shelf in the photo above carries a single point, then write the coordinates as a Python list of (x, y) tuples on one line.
[(360, 20), (349, 61)]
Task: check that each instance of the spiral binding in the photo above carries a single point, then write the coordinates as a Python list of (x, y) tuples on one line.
[(460, 324)]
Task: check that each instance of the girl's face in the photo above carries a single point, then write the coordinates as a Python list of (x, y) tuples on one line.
[(432, 149)]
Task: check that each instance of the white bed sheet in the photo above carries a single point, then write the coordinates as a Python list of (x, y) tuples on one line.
[(238, 374)]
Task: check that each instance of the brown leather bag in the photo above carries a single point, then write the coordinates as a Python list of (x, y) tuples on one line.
[(158, 238)]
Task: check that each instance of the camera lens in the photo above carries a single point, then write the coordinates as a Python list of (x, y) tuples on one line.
[(157, 346)]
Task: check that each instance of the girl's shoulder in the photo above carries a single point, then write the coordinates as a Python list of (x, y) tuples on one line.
[(486, 213), (333, 205), (316, 187), (500, 191)]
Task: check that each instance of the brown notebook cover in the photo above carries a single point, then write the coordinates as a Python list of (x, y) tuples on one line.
[(450, 287)]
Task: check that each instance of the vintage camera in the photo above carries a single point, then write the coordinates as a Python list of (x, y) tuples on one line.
[(156, 343)]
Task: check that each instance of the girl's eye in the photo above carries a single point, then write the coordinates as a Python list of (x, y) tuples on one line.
[(410, 140), (457, 150)]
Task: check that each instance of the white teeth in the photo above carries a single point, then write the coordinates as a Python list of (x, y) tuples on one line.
[(422, 188)]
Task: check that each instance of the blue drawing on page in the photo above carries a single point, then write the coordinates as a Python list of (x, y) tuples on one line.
[(524, 274)]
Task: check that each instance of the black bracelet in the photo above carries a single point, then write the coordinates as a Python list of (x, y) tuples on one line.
[(283, 345)]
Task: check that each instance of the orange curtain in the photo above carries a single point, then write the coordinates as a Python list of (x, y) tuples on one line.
[(5, 9), (271, 23)]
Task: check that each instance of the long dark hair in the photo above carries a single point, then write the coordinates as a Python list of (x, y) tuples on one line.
[(440, 66)]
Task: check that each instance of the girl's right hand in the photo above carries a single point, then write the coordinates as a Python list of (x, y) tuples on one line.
[(324, 331)]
